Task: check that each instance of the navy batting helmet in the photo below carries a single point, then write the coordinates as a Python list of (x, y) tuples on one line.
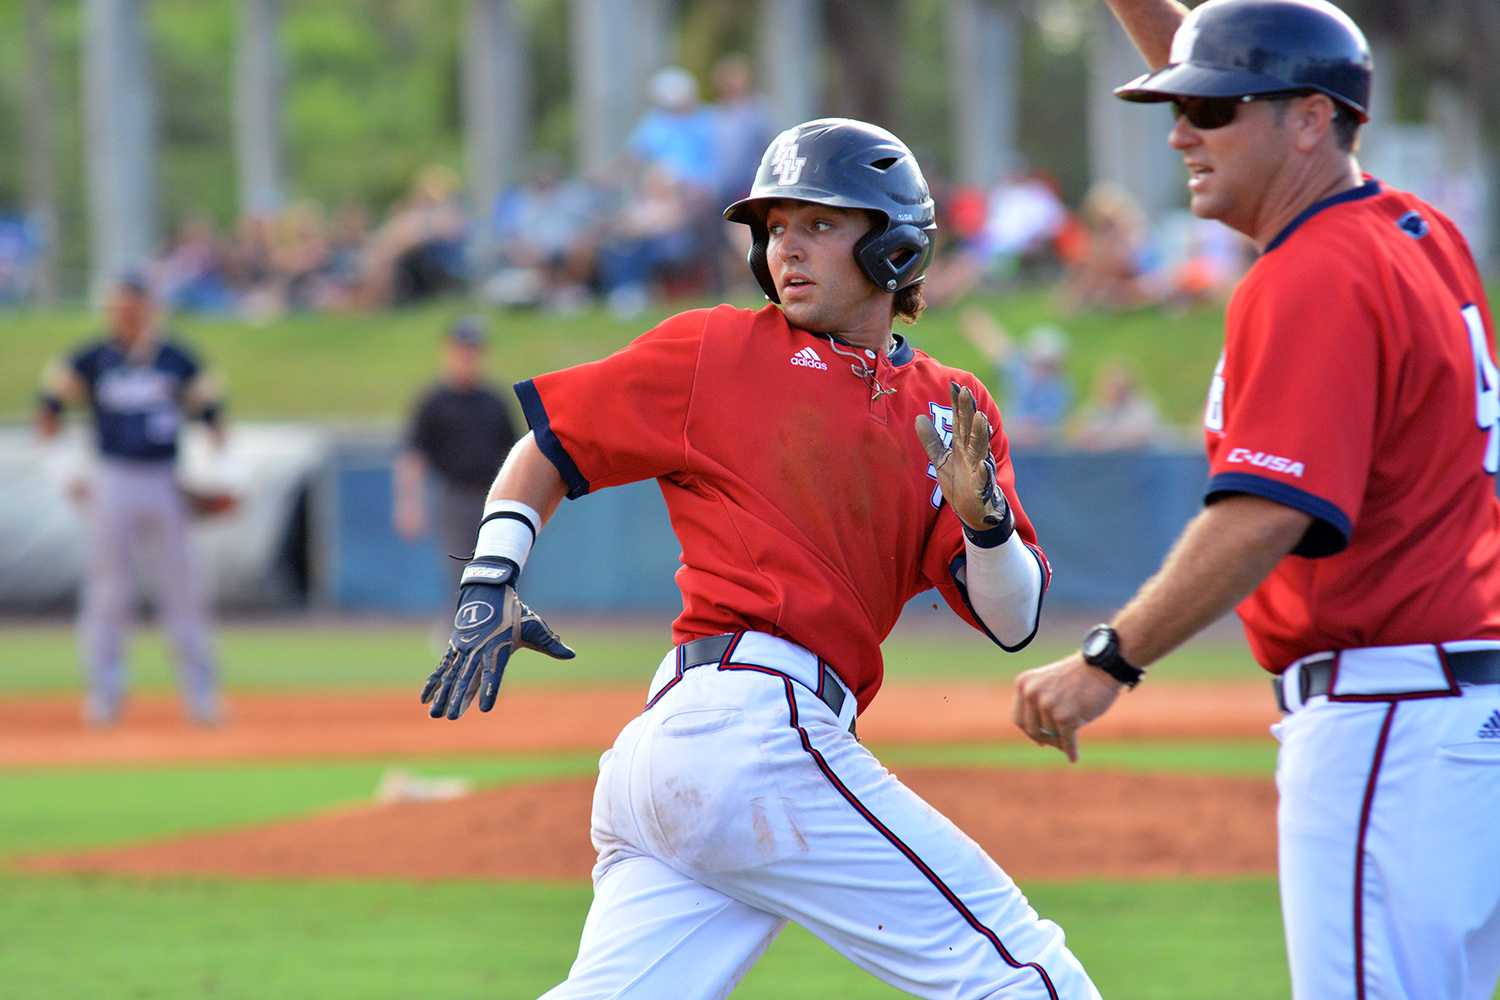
[(1234, 48), (846, 164)]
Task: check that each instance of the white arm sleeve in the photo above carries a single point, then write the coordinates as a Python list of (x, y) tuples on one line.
[(1004, 584)]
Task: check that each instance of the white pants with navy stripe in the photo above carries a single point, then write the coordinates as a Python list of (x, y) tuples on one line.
[(1389, 829), (739, 802)]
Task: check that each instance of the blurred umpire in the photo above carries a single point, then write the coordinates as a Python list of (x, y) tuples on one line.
[(140, 386), (461, 430)]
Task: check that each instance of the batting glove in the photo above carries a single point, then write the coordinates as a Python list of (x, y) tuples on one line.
[(491, 623), (966, 470)]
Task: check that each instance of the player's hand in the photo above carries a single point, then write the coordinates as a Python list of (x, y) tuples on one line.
[(491, 623), (966, 470), (1054, 702)]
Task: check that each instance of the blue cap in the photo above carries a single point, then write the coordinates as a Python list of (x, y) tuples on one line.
[(134, 279), (468, 331)]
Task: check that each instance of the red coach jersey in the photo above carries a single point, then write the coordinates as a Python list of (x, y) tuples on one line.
[(1357, 385), (801, 496)]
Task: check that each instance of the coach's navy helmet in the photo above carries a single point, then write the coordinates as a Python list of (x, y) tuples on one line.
[(1233, 48), (846, 164)]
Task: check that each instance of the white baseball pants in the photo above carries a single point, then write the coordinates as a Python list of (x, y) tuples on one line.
[(739, 801), (1389, 826)]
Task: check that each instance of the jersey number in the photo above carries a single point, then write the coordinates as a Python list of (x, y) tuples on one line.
[(1486, 387)]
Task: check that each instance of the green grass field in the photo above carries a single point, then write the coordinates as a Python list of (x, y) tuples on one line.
[(40, 658), (72, 936), (367, 368)]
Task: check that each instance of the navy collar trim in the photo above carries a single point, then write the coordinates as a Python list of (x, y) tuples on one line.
[(1368, 189), (900, 354), (903, 352)]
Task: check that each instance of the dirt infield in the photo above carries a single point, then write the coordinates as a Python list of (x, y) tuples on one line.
[(48, 732), (1038, 824)]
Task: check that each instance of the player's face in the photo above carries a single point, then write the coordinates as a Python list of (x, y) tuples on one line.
[(1231, 169), (810, 252), (129, 314)]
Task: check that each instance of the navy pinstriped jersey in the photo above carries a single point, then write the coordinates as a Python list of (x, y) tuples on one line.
[(137, 401)]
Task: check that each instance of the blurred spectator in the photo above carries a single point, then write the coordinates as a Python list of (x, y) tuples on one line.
[(677, 134), (418, 252), (251, 268), (543, 233), (1025, 215), (675, 146), (346, 253), (742, 128), (1035, 393), (1118, 415), (1020, 225), (651, 235), (20, 257), (1203, 260), (193, 275), (1112, 271), (301, 257)]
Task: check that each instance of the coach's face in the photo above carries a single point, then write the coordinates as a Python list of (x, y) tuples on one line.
[(1232, 170), (810, 251)]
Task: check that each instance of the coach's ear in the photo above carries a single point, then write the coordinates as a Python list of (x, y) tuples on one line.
[(1310, 118)]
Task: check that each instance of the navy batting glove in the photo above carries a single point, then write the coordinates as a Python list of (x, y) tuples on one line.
[(491, 623)]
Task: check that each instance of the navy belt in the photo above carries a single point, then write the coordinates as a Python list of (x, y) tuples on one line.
[(1315, 676), (710, 650)]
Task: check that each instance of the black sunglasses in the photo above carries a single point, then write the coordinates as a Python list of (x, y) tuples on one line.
[(1216, 112)]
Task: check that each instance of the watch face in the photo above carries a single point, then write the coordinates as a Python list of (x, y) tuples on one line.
[(1095, 643)]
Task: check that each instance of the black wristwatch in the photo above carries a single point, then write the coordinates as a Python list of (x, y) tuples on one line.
[(1101, 648)]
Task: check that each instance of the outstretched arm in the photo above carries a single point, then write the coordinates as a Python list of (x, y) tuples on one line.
[(492, 622), (1150, 25), (529, 477), (1223, 554)]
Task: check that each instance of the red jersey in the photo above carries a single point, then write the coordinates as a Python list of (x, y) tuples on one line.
[(1357, 385), (801, 495)]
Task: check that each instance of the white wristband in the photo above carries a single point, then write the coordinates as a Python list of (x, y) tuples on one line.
[(509, 530)]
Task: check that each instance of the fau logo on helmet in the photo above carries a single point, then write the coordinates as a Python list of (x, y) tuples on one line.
[(785, 163), (1267, 461)]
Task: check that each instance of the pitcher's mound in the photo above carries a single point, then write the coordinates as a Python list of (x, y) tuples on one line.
[(1045, 824)]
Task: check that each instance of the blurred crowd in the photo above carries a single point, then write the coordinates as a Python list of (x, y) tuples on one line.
[(647, 225)]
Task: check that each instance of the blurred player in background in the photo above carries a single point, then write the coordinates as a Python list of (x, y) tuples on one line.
[(460, 431), (140, 387), (1353, 432), (819, 473)]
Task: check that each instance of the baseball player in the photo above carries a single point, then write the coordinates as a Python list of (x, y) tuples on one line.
[(1353, 429), (819, 472), (139, 386)]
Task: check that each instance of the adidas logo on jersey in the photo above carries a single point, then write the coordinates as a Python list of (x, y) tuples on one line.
[(808, 358), (1491, 728)]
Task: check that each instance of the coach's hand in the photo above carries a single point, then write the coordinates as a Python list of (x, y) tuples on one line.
[(966, 470), (491, 623), (1054, 702)]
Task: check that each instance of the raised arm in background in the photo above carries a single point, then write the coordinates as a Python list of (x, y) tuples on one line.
[(1150, 25)]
